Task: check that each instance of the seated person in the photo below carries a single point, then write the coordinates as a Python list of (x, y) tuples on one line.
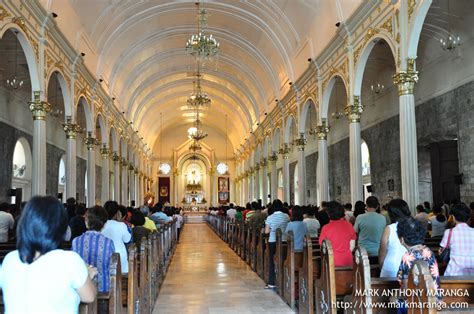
[(437, 223), (341, 234), (158, 216), (117, 230), (411, 233), (95, 248), (461, 262), (298, 227), (312, 224), (422, 216), (39, 277), (77, 223), (138, 230)]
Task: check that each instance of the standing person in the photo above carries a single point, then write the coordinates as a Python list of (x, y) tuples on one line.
[(95, 248), (117, 231), (7, 222), (340, 233), (312, 224), (231, 211), (39, 277), (370, 226), (391, 250), (276, 220), (461, 262)]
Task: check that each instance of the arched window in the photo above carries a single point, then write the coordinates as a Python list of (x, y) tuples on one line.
[(365, 159), (62, 180), (280, 185), (21, 170)]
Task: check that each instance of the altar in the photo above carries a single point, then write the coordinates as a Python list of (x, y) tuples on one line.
[(194, 197)]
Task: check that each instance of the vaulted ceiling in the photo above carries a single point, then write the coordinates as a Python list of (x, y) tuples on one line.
[(137, 48)]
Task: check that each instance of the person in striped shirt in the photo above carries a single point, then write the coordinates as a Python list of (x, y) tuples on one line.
[(95, 248)]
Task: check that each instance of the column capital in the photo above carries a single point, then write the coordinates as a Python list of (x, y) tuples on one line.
[(301, 142), (105, 152), (115, 157), (273, 157), (90, 142), (323, 130), (136, 171), (175, 171), (39, 108), (285, 151), (124, 162), (131, 168), (406, 80), (251, 170), (257, 167), (264, 162), (354, 112), (71, 129)]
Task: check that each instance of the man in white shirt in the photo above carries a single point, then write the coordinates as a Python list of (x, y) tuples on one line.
[(118, 232), (6, 222), (231, 211)]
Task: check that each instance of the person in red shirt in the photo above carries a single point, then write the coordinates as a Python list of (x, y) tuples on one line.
[(248, 208), (341, 234)]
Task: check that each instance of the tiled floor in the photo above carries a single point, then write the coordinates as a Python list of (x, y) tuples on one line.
[(206, 276)]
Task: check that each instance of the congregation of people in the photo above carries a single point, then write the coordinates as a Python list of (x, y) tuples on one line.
[(393, 237), (54, 278)]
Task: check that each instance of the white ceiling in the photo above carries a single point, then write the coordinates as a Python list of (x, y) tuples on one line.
[(137, 48)]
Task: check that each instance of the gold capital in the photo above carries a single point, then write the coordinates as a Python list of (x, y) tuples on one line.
[(124, 162), (323, 130), (285, 151), (264, 162), (90, 142), (406, 80), (71, 130), (39, 108), (115, 157), (301, 142), (273, 157), (105, 152), (354, 112)]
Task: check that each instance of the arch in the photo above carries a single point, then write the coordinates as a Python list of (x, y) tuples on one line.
[(364, 57), (29, 54), (365, 158), (289, 124), (416, 26), (266, 147), (304, 113), (187, 156), (22, 163), (327, 94), (276, 140), (113, 143), (87, 112), (64, 89), (123, 147), (100, 121)]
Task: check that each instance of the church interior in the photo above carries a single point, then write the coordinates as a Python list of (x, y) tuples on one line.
[(205, 124)]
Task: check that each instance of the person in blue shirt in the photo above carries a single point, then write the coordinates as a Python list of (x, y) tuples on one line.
[(158, 216)]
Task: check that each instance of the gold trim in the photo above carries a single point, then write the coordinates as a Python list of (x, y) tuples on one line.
[(406, 80), (38, 107), (323, 130), (71, 130)]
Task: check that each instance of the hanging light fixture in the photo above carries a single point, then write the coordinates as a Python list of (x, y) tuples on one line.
[(56, 112), (164, 167), (200, 45), (222, 167), (452, 40), (197, 134), (15, 82), (198, 98), (337, 114)]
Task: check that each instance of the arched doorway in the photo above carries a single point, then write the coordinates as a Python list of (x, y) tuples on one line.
[(296, 186), (62, 180), (21, 171)]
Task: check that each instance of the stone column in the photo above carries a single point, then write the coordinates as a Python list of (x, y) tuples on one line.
[(91, 143), (39, 109), (264, 172), (285, 152), (124, 192), (323, 163), (405, 80), (273, 177), (301, 143), (116, 159), (175, 186), (245, 188), (212, 173), (353, 113), (105, 194), (136, 188), (71, 130)]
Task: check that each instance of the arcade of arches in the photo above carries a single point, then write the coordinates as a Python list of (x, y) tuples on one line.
[(311, 101), (315, 111)]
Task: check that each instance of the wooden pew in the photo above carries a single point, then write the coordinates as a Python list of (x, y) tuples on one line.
[(153, 269), (261, 246), (133, 292), (111, 302), (368, 289), (143, 277), (334, 282), (248, 242), (309, 272), (280, 256), (291, 268), (266, 259), (242, 240), (420, 278), (253, 252)]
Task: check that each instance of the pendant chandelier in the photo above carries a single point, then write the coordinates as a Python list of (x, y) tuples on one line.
[(15, 82), (196, 133), (200, 45), (452, 40), (198, 98)]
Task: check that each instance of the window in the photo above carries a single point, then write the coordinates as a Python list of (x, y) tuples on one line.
[(365, 159)]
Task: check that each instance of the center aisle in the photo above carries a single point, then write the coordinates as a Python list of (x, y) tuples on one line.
[(206, 276)]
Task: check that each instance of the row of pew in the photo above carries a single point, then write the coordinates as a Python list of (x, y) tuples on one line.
[(310, 283), (137, 291)]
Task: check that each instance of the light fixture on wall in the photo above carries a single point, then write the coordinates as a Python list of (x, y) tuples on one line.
[(452, 40), (15, 82), (200, 45)]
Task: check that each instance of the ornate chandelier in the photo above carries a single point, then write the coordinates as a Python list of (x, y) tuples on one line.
[(196, 133), (195, 147), (198, 98), (201, 45), (452, 40)]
